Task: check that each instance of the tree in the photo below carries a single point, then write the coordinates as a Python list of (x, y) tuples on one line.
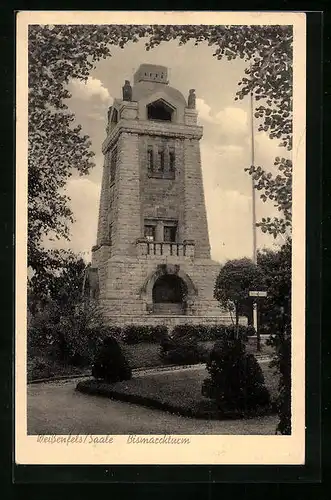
[(110, 363), (236, 380), (235, 280), (276, 267), (60, 53), (63, 284)]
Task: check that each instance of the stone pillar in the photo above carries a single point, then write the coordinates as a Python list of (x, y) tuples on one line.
[(159, 232), (102, 233)]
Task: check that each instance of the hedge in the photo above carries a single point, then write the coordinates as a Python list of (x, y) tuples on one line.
[(205, 333), (135, 334)]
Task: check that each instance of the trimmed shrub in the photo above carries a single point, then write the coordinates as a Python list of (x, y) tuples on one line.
[(205, 333), (232, 332), (201, 332), (110, 363), (182, 348), (250, 331), (236, 381), (213, 332), (135, 334)]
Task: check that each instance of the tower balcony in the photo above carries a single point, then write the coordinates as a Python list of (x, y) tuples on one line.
[(155, 249)]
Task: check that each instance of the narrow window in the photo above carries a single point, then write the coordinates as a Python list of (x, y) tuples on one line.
[(113, 161), (170, 234), (150, 162), (161, 160), (149, 233), (172, 161), (114, 117)]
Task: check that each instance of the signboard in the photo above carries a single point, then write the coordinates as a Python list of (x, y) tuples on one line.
[(256, 293)]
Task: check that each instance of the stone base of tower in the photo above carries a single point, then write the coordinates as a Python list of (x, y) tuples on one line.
[(171, 320), (127, 291)]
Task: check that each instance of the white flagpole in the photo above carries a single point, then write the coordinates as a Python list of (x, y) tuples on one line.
[(253, 189), (254, 250)]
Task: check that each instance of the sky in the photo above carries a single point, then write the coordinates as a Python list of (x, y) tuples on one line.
[(225, 146)]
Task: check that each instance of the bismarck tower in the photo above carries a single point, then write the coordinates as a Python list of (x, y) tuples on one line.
[(151, 263)]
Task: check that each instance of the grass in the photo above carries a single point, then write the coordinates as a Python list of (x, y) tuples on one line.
[(178, 392), (142, 355)]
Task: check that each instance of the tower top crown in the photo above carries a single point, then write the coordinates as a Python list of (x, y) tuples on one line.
[(151, 73)]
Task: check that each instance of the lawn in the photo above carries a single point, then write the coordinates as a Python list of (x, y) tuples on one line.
[(177, 391), (142, 355)]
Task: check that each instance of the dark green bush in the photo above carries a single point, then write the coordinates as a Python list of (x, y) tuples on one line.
[(110, 363), (236, 381), (250, 331), (202, 333), (182, 349), (70, 337), (135, 334), (205, 333), (213, 332), (240, 332)]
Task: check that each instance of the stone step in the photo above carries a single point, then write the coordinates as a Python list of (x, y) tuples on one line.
[(168, 308)]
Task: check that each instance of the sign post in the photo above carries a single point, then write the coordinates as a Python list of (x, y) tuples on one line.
[(257, 294)]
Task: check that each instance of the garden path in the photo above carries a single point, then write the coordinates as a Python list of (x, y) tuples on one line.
[(56, 408)]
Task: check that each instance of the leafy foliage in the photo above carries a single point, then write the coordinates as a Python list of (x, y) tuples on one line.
[(61, 323), (235, 280), (235, 379), (277, 189), (63, 283), (277, 312), (71, 337), (134, 334), (110, 363), (182, 347)]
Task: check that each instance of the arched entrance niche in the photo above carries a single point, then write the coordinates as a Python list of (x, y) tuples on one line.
[(169, 290)]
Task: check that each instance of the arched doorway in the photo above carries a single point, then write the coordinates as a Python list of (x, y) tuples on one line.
[(168, 290), (169, 295)]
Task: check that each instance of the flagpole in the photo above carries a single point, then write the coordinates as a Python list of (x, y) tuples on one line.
[(254, 250), (253, 188)]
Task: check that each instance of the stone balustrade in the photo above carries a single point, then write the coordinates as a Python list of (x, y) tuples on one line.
[(163, 249)]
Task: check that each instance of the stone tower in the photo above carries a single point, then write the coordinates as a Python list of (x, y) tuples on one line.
[(151, 263)]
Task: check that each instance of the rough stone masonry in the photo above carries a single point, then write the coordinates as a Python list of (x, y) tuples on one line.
[(151, 263)]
